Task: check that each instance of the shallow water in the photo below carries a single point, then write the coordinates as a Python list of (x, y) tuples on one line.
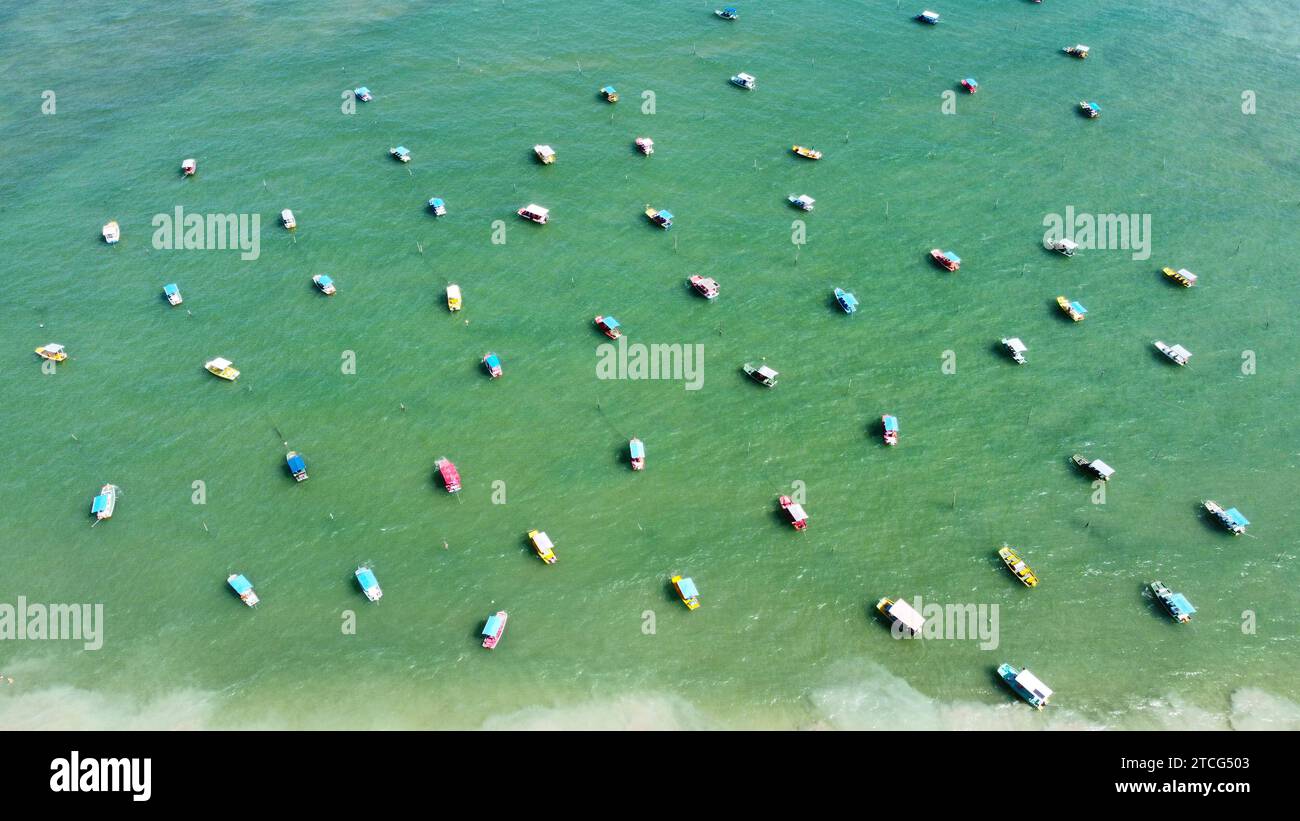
[(786, 636)]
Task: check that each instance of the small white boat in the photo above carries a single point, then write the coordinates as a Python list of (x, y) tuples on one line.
[(189, 166), (1016, 348), (803, 202), (645, 145), (536, 213), (286, 218), (745, 81), (544, 153), (1065, 247), (1176, 353), (454, 300), (112, 232)]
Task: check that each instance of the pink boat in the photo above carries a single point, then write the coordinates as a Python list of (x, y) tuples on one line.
[(495, 627), (450, 477)]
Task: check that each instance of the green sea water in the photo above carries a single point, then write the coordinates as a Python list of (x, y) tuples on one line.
[(787, 636)]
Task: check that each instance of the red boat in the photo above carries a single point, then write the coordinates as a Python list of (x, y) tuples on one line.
[(610, 326), (946, 260), (450, 477), (797, 516)]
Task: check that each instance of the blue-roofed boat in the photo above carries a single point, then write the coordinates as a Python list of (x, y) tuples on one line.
[(610, 94), (664, 219), (1230, 518), (610, 326), (493, 364), (970, 85), (437, 206), (363, 94), (729, 13), (1073, 310), (369, 584), (400, 153), (101, 507), (1026, 685), (846, 300), (685, 587), (297, 465), (325, 284), (172, 293), (928, 17), (889, 424), (243, 587), (1176, 604), (946, 260), (1089, 109), (494, 629), (636, 451)]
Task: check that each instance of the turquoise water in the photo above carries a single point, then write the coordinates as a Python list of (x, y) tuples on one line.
[(786, 636)]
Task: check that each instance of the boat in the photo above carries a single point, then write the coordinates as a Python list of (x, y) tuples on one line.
[(610, 326), (1016, 348), (1230, 518), (297, 465), (222, 369), (325, 284), (928, 17), (494, 629), (1065, 247), (112, 232), (706, 287), (450, 476), (454, 300), (1026, 685), (889, 425), (363, 94), (803, 202), (53, 352), (1089, 109), (1072, 309), (535, 212), (901, 613), (243, 587), (729, 13), (1176, 353), (1175, 604), (437, 206), (1080, 51), (946, 260), (287, 220), (806, 152), (746, 81), (685, 587), (101, 507), (543, 546), (189, 166), (544, 153), (762, 374), (400, 153), (610, 94), (645, 145), (493, 364), (1017, 566), (1182, 276), (369, 584), (970, 85), (664, 219), (848, 302), (172, 293), (636, 452), (794, 512), (1096, 467)]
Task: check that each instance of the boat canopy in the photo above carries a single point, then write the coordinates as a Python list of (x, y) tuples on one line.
[(637, 449), (1235, 517), (1180, 352), (1187, 275), (493, 623), (544, 150), (1077, 308), (296, 463), (848, 300), (241, 584), (608, 90), (665, 215), (436, 202), (730, 10), (610, 322), (891, 424), (492, 360), (543, 541), (951, 257), (170, 288), (1016, 345), (766, 372), (100, 504), (362, 91), (687, 588), (366, 577), (908, 615), (796, 512), (220, 363), (1031, 683), (970, 81), (1093, 106), (533, 208), (1103, 470), (1181, 604), (324, 280)]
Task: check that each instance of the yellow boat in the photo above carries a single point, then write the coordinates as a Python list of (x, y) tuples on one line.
[(454, 302), (222, 369), (543, 546), (53, 352), (1017, 566), (1072, 309), (1182, 276), (804, 151), (685, 588)]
